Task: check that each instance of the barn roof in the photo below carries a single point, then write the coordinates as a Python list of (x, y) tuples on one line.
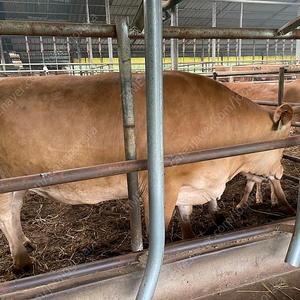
[(263, 14)]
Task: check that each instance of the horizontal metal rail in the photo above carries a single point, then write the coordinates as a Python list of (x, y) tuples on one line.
[(270, 103), (291, 178), (291, 157), (56, 29), (254, 72), (117, 168), (96, 30)]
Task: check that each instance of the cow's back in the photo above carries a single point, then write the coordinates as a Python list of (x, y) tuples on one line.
[(67, 122)]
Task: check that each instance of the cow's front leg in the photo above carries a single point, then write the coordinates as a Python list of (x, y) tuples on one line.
[(184, 213), (10, 225)]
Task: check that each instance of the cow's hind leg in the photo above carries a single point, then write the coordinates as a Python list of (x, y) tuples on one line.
[(281, 197), (10, 225), (274, 199), (184, 213)]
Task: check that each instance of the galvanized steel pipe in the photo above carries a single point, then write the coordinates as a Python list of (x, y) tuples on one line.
[(56, 29), (223, 33), (293, 254), (129, 130), (122, 167), (96, 30), (281, 85), (154, 106)]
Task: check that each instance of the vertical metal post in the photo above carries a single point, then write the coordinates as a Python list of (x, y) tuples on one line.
[(298, 44), (174, 42), (283, 50), (293, 254), (89, 38), (202, 56), (267, 48), (281, 85), (154, 93), (276, 50), (100, 55), (292, 49), (55, 53), (2, 55), (109, 40), (129, 130), (42, 50), (69, 54), (236, 51), (183, 54), (228, 49), (213, 41), (194, 52), (28, 53), (79, 54), (253, 54), (241, 25), (215, 75)]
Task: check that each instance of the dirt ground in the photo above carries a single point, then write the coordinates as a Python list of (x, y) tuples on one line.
[(65, 235)]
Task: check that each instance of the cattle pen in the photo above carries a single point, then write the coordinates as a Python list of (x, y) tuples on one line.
[(197, 267)]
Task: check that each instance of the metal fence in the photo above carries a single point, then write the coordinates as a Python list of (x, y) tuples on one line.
[(154, 162)]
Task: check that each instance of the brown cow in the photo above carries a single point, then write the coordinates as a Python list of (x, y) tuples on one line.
[(62, 122), (266, 91)]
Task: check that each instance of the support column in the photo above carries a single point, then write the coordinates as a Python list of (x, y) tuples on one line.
[(298, 44), (241, 25), (109, 40), (2, 55), (174, 42), (281, 85), (79, 54), (89, 38), (213, 44), (129, 131), (253, 54)]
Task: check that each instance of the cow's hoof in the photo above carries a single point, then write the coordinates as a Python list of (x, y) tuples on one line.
[(25, 270)]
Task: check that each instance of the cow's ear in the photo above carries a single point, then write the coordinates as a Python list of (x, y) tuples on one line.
[(283, 114)]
